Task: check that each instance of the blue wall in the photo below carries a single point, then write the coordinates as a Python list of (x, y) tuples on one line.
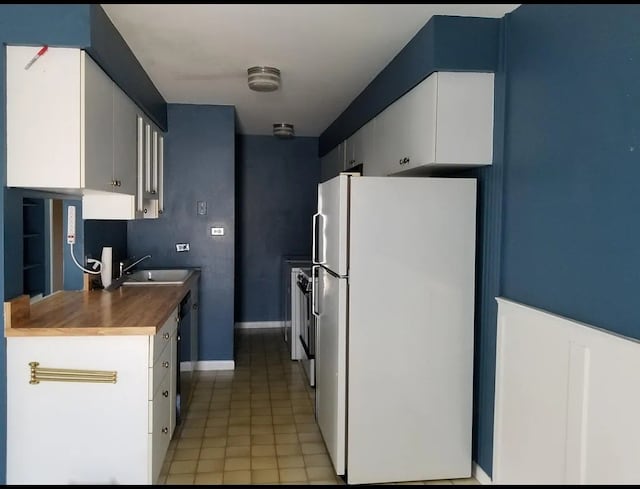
[(571, 184), (100, 233), (199, 166), (276, 190), (72, 275), (443, 44), (111, 51)]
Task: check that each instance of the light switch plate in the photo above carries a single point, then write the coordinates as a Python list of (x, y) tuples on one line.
[(182, 246), (202, 208), (217, 231)]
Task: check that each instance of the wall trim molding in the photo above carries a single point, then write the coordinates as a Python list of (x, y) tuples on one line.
[(480, 475), (258, 324), (205, 365)]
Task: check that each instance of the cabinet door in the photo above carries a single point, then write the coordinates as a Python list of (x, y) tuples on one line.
[(124, 143), (465, 118), (332, 163), (89, 433), (97, 124), (419, 124), (353, 150), (43, 118), (368, 151), (394, 137), (160, 173)]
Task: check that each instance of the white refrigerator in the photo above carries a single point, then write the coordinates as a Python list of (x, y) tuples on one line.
[(393, 295)]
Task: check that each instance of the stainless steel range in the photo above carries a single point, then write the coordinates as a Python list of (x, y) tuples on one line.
[(307, 325)]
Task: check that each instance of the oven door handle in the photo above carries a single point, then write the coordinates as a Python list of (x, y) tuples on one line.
[(314, 310)]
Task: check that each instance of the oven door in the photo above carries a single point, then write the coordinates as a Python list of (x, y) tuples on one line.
[(307, 331)]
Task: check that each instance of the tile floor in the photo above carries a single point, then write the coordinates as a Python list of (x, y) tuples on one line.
[(253, 425)]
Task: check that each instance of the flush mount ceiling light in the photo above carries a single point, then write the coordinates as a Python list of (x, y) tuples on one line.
[(284, 131), (263, 78)]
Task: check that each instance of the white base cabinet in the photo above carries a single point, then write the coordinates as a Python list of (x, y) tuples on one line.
[(84, 432)]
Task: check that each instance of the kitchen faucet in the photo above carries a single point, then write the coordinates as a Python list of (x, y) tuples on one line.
[(124, 269)]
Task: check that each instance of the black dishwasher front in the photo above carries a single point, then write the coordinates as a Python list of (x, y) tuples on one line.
[(184, 367)]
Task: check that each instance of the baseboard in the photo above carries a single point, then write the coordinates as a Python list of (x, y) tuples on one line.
[(204, 365), (480, 475), (259, 324)]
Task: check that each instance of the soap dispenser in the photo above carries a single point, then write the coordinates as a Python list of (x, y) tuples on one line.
[(106, 273)]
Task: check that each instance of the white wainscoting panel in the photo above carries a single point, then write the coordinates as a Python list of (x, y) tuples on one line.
[(567, 401)]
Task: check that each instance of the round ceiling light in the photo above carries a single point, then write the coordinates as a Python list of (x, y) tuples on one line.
[(284, 131), (263, 78)]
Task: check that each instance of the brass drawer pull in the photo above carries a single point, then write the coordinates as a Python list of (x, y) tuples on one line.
[(40, 374)]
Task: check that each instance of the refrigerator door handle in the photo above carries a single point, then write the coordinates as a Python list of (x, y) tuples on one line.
[(313, 237), (314, 310)]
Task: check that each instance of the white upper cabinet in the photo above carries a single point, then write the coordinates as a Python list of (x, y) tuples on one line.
[(360, 148), (445, 121), (332, 163), (124, 142), (71, 129)]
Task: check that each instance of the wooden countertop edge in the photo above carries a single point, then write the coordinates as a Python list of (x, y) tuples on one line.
[(17, 310)]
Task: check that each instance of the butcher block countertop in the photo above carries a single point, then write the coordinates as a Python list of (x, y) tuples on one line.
[(128, 310)]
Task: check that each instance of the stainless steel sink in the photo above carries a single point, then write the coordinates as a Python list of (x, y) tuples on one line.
[(158, 277)]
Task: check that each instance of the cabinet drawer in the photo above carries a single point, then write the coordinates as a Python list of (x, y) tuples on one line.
[(159, 424), (161, 368), (163, 337)]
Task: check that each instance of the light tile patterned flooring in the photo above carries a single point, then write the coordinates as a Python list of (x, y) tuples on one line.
[(253, 425)]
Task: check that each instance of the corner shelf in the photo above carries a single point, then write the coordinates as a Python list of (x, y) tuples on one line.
[(33, 249)]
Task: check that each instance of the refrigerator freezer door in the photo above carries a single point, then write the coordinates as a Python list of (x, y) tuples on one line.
[(331, 364), (332, 224), (410, 336)]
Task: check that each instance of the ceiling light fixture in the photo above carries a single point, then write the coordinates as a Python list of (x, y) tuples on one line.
[(263, 78), (284, 131)]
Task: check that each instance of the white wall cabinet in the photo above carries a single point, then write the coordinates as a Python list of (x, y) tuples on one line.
[(71, 129), (91, 433), (149, 164), (445, 121), (360, 148), (332, 163)]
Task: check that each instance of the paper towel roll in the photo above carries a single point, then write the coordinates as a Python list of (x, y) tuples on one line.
[(106, 273)]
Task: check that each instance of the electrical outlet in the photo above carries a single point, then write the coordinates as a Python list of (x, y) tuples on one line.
[(202, 208), (182, 246), (217, 231)]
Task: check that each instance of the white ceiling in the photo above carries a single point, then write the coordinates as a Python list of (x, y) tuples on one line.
[(327, 54)]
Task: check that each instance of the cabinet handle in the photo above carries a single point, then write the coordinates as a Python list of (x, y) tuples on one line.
[(165, 393), (116, 183), (166, 336), (140, 162), (165, 430), (153, 192), (406, 160), (165, 364)]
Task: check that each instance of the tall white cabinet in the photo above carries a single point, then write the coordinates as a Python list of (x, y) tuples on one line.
[(71, 129)]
